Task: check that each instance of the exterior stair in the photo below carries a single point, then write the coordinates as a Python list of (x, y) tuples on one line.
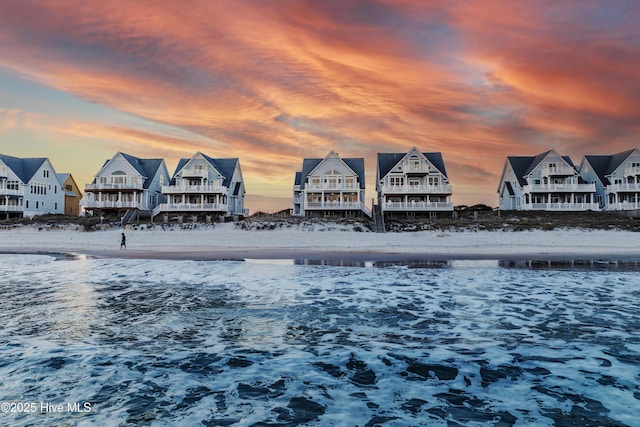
[(378, 219), (128, 216)]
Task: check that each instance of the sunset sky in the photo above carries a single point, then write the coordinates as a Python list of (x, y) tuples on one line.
[(272, 82)]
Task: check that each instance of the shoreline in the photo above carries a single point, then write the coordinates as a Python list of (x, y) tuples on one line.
[(225, 242), (326, 256)]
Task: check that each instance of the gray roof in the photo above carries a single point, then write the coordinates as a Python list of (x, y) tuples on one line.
[(510, 189), (386, 162), (145, 167), (226, 167), (355, 164), (23, 168), (606, 165), (524, 165), (62, 177), (297, 179)]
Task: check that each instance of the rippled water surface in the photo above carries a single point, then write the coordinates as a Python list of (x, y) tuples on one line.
[(245, 343)]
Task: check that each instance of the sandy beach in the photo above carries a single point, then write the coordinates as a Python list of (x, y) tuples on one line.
[(225, 241)]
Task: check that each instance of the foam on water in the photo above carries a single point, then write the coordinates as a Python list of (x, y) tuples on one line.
[(221, 343)]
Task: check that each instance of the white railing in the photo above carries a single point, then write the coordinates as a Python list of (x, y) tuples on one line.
[(413, 189), (11, 208), (330, 186), (195, 172), (626, 186), (417, 206), (93, 204), (632, 170), (558, 170), (201, 189), (10, 192), (334, 205), (409, 167), (578, 188), (193, 207), (623, 206), (561, 206), (112, 187)]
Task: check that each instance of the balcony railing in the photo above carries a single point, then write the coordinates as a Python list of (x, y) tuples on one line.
[(409, 167), (193, 172), (417, 206), (336, 205), (193, 207), (11, 208), (93, 204), (626, 186), (558, 170), (414, 189), (632, 171), (112, 187), (331, 186), (10, 192), (546, 188), (623, 206), (200, 189), (561, 206)]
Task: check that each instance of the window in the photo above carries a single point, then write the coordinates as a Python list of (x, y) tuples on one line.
[(45, 173), (56, 206), (434, 181), (68, 187), (397, 181), (36, 205), (414, 182)]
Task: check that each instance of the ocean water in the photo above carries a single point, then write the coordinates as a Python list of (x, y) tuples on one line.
[(463, 343)]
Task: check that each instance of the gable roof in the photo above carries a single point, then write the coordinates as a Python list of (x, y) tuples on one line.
[(145, 167), (355, 164), (386, 162), (226, 167), (604, 166), (524, 165), (23, 168)]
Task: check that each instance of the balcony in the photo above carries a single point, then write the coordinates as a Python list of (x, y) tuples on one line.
[(417, 206), (93, 204), (411, 168), (417, 189), (10, 192), (104, 188), (548, 188), (192, 207), (624, 206), (335, 205), (558, 170), (195, 189), (576, 207), (626, 186), (11, 208), (195, 173), (333, 187), (632, 171)]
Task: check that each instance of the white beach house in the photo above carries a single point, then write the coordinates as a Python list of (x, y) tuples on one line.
[(202, 185), (412, 183), (547, 182), (29, 187), (330, 186), (616, 178), (126, 183)]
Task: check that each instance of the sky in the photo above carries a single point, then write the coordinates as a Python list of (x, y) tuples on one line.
[(273, 82)]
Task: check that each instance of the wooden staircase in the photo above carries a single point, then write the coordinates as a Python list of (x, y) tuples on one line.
[(378, 219), (128, 216)]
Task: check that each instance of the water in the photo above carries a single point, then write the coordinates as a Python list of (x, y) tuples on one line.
[(133, 342)]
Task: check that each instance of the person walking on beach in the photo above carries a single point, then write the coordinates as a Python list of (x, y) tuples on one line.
[(123, 242)]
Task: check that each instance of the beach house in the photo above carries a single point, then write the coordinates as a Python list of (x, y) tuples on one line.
[(616, 178), (204, 186), (126, 184), (72, 194), (412, 183), (330, 186), (547, 182), (29, 187)]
